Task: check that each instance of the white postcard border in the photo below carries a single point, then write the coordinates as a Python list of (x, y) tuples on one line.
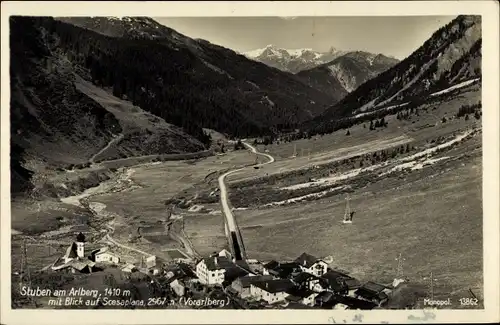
[(489, 10)]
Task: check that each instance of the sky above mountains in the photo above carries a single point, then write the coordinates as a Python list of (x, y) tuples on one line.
[(396, 36)]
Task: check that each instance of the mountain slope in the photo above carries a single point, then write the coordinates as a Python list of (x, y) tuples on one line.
[(292, 60), (54, 124), (347, 71), (451, 55), (250, 94)]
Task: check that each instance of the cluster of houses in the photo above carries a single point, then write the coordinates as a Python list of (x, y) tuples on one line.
[(76, 260), (306, 281)]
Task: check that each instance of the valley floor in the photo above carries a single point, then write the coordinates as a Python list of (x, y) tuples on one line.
[(427, 208)]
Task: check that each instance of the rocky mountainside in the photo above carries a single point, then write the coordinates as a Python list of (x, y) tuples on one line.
[(292, 60), (251, 95), (450, 56), (347, 72)]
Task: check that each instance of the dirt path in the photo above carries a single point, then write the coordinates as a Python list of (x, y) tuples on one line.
[(113, 241), (188, 246), (114, 140)]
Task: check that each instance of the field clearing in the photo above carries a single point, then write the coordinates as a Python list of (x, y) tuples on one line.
[(434, 222), (159, 182), (419, 129), (283, 166), (32, 219), (206, 232)]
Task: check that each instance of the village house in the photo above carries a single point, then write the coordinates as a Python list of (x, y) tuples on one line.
[(305, 280), (283, 270), (336, 282), (325, 300), (296, 305), (255, 266), (352, 285), (312, 264), (242, 284), (269, 266), (151, 261), (302, 296), (151, 265), (104, 255), (373, 292), (226, 254), (129, 268), (271, 291), (346, 302), (186, 271), (329, 300), (218, 270), (178, 287)]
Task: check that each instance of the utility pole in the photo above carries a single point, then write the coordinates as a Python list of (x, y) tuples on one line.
[(399, 272), (25, 265), (25, 261), (347, 213), (432, 287), (21, 271)]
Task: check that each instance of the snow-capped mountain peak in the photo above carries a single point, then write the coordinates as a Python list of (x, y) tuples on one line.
[(292, 60)]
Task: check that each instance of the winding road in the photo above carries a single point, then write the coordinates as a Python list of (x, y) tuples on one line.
[(232, 230)]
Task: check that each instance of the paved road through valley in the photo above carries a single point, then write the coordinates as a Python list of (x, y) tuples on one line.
[(232, 229)]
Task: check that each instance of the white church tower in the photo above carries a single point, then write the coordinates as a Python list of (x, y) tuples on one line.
[(80, 245)]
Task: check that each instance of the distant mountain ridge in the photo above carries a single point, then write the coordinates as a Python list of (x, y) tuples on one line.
[(450, 56), (334, 72), (271, 97), (292, 60), (347, 72)]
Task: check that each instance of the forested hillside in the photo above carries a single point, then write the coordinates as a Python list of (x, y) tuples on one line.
[(55, 125), (191, 80), (452, 54)]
